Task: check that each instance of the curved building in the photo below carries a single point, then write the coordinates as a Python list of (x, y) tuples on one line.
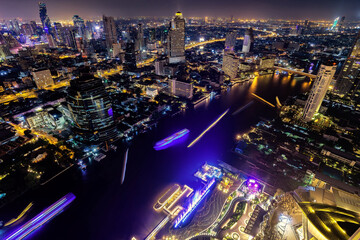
[(90, 107), (326, 222)]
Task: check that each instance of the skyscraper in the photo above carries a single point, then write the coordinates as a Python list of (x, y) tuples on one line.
[(68, 35), (230, 64), (248, 41), (130, 57), (79, 25), (110, 32), (90, 108), (139, 42), (348, 81), (176, 39), (334, 26), (45, 20), (230, 41), (318, 91)]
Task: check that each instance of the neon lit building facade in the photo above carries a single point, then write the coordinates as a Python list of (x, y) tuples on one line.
[(195, 201)]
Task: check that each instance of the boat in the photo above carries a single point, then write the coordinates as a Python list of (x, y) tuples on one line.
[(161, 144), (100, 157)]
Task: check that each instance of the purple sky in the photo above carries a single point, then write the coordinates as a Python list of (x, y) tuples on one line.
[(288, 9)]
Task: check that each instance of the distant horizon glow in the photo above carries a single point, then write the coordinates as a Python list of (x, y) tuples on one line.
[(260, 9)]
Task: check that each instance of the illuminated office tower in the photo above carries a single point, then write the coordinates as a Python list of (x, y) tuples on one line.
[(110, 32), (348, 81), (45, 20), (230, 41), (81, 45), (230, 64), (27, 29), (318, 91), (68, 36), (140, 43), (335, 24), (181, 88), (341, 23), (51, 41), (176, 39), (57, 31), (79, 25), (160, 66), (248, 41), (90, 107)]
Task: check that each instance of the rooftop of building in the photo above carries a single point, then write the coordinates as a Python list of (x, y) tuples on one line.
[(332, 222)]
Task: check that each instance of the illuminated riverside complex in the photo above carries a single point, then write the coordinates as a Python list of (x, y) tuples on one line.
[(42, 218), (194, 202)]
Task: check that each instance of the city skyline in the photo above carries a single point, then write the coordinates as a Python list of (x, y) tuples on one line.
[(225, 128), (65, 10)]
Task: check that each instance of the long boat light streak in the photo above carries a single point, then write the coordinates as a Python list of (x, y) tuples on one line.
[(258, 97), (40, 219), (206, 130), (194, 203), (165, 142)]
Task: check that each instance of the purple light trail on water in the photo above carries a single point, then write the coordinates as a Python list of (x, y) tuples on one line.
[(41, 218), (167, 142)]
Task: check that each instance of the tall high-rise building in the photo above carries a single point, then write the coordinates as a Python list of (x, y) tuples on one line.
[(110, 32), (230, 41), (318, 91), (335, 24), (57, 30), (51, 41), (27, 29), (348, 82), (90, 108), (45, 20), (79, 25), (248, 41), (139, 42), (130, 57), (230, 64), (68, 36), (80, 45), (176, 39), (341, 23)]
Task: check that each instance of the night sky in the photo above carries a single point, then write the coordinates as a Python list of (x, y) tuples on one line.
[(286, 9)]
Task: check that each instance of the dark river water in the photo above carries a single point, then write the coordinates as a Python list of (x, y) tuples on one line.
[(105, 209)]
